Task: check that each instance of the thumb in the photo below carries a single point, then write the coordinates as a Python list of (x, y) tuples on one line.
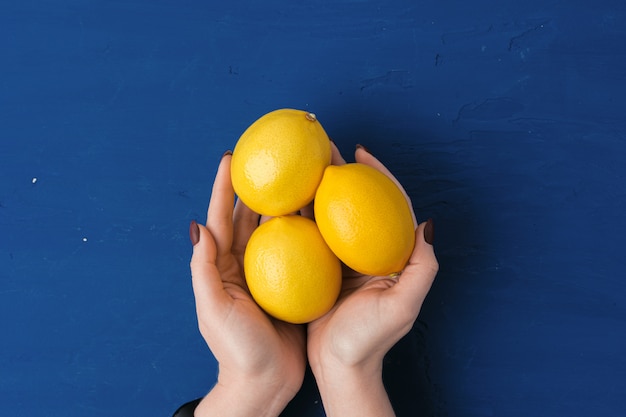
[(417, 277), (207, 284)]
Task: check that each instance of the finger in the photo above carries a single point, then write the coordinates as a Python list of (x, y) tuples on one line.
[(245, 221), (220, 212), (417, 277), (307, 211), (364, 157), (264, 219), (207, 284), (336, 158)]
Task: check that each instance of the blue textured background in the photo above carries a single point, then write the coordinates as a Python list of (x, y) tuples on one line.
[(504, 120)]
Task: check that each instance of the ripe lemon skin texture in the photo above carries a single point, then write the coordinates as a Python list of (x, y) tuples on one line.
[(365, 219), (290, 270), (278, 162)]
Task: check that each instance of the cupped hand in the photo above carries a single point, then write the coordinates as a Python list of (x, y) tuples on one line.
[(372, 312), (251, 348)]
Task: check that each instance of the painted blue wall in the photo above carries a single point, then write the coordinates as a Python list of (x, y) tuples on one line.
[(504, 120)]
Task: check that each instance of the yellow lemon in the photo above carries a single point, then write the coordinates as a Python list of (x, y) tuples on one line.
[(365, 219), (290, 270), (278, 162)]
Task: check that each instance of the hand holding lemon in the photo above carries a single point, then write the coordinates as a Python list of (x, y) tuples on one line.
[(346, 346), (291, 266)]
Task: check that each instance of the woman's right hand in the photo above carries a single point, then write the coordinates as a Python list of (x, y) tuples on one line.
[(346, 346)]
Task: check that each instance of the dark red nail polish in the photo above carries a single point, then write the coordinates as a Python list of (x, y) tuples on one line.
[(194, 233), (429, 232), (228, 152), (359, 146)]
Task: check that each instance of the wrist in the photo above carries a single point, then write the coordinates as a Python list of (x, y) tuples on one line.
[(353, 390), (245, 397), (333, 375)]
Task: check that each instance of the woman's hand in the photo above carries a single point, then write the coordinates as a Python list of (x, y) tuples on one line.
[(347, 345), (261, 360)]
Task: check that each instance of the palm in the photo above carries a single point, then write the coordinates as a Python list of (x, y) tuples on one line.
[(258, 339), (355, 327), (249, 338)]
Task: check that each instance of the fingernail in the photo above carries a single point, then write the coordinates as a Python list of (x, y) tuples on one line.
[(429, 232), (228, 152), (359, 146), (194, 233)]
